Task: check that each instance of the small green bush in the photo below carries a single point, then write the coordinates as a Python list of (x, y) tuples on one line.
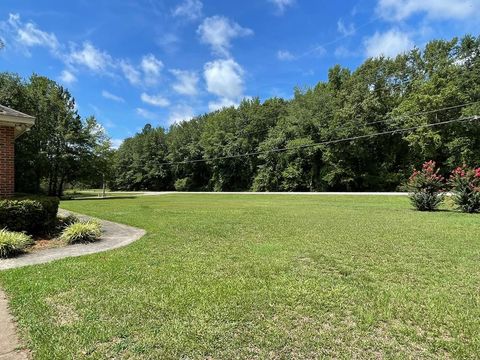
[(426, 187), (66, 221), (82, 232), (183, 184), (30, 214), (12, 243)]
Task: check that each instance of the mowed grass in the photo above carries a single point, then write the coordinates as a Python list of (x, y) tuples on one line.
[(267, 277)]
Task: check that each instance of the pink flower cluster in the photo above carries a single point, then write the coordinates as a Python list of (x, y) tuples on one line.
[(459, 171), (477, 172)]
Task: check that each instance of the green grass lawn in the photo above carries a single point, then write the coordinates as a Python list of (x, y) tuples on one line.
[(268, 277)]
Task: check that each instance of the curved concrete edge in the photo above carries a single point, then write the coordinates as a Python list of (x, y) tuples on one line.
[(114, 236)]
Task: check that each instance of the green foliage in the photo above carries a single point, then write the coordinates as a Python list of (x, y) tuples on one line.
[(465, 183), (66, 221), (12, 243), (33, 215), (82, 232), (426, 187), (183, 184), (379, 96), (60, 148)]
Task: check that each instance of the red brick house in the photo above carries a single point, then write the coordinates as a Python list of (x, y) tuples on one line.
[(12, 124)]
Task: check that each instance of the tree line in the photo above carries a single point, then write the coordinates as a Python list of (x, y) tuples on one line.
[(421, 87), (438, 83)]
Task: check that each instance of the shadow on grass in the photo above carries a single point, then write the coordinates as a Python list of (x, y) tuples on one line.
[(100, 198)]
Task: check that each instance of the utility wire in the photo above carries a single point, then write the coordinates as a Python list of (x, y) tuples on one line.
[(327, 142), (398, 117)]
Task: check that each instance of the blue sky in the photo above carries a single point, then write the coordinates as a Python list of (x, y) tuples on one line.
[(133, 62)]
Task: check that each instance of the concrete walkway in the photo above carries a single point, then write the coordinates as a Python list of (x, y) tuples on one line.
[(114, 236)]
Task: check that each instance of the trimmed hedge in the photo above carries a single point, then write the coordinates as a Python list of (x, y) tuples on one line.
[(33, 215)]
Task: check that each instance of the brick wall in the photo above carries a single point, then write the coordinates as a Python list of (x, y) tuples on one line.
[(7, 149)]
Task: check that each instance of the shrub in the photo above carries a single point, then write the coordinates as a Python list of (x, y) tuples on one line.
[(65, 221), (425, 187), (183, 184), (12, 243), (465, 184), (82, 232), (32, 215)]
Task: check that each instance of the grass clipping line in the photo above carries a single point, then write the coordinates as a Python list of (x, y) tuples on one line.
[(82, 232), (12, 243)]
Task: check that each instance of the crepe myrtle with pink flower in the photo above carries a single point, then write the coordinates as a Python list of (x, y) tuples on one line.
[(465, 186), (426, 187)]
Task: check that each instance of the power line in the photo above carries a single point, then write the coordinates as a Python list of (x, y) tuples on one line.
[(398, 117), (327, 142)]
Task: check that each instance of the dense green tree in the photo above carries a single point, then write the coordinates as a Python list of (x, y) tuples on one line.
[(60, 148), (139, 162)]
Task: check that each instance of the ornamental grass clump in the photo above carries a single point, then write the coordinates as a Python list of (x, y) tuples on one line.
[(426, 187), (12, 243), (465, 183), (82, 232)]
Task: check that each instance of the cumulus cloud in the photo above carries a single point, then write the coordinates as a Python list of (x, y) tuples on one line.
[(186, 83), (67, 77), (224, 78), (147, 73), (389, 44), (155, 100), (282, 5), (435, 9), (219, 31), (181, 113), (110, 96), (285, 55), (189, 9), (90, 57)]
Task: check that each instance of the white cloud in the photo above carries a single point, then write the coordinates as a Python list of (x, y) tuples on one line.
[(219, 31), (151, 68), (30, 35), (155, 100), (67, 77), (110, 96), (281, 5), (221, 103), (181, 113), (285, 55), (224, 78), (130, 72), (345, 30), (389, 44), (186, 83), (146, 114), (189, 9), (434, 9), (90, 57)]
